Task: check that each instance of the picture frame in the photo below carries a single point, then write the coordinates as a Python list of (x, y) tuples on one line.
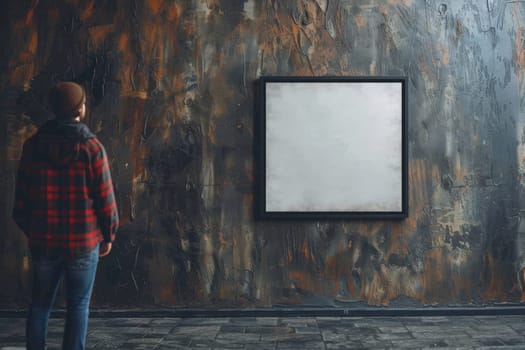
[(331, 148)]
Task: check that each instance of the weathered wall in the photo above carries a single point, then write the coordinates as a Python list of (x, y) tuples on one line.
[(171, 89)]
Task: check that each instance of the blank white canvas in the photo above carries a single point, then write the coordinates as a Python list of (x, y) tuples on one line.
[(333, 146)]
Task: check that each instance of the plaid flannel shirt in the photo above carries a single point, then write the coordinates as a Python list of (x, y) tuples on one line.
[(64, 197)]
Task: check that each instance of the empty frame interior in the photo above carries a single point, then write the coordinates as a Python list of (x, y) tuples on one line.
[(333, 147)]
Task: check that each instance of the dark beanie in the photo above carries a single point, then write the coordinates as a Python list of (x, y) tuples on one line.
[(65, 99)]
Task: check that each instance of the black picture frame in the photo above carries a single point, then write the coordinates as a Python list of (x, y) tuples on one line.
[(331, 148)]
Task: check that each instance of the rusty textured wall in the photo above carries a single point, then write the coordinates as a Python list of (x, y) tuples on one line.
[(171, 89)]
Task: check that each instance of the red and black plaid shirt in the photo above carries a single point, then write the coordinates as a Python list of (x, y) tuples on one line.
[(64, 198)]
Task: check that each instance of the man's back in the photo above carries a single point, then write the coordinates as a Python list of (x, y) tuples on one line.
[(64, 201)]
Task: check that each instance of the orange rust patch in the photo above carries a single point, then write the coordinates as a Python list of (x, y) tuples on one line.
[(494, 268), (445, 55), (32, 44), (460, 171), (490, 265), (155, 5), (166, 295), (211, 133), (434, 267), (305, 249), (304, 280), (289, 253), (31, 12), (157, 70), (88, 11), (173, 12), (247, 200), (420, 174), (520, 52), (152, 38), (99, 33), (123, 42), (399, 245)]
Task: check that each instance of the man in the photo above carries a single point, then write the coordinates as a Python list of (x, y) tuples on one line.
[(65, 204)]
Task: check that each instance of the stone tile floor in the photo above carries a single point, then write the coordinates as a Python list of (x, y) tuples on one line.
[(451, 332)]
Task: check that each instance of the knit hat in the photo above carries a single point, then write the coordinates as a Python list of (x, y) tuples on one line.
[(65, 99)]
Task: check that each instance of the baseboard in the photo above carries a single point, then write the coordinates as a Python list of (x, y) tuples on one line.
[(290, 312)]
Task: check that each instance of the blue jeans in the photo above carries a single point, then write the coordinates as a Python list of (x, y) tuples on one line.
[(79, 276)]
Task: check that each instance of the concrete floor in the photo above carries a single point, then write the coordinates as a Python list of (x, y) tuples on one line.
[(450, 332)]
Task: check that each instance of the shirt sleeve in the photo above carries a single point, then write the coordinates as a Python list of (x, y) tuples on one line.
[(104, 201), (21, 214)]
